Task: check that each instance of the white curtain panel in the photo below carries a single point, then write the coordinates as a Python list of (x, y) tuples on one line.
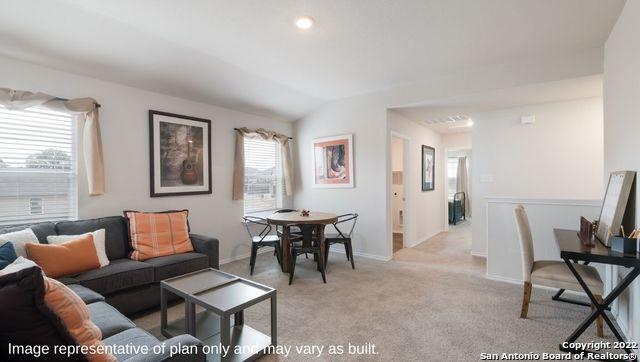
[(84, 110), (238, 166), (462, 184)]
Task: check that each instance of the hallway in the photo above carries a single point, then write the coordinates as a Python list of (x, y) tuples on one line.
[(450, 251)]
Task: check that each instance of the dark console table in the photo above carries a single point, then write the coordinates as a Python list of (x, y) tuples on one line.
[(572, 250)]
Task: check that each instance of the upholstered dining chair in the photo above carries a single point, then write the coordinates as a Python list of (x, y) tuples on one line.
[(551, 273), (261, 239), (343, 236)]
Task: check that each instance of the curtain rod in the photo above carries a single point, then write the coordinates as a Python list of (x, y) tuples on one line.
[(237, 129), (65, 99)]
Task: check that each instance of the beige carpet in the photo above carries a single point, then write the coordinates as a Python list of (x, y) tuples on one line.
[(431, 303)]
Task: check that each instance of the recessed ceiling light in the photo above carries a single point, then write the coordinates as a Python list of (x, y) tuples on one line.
[(304, 22), (470, 123)]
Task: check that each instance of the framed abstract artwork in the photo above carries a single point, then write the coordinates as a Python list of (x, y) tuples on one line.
[(428, 168), (333, 161), (180, 154)]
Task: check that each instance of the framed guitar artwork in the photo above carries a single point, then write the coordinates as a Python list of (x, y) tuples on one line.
[(180, 154)]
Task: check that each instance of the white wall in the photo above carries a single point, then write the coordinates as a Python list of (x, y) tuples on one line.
[(457, 141), (366, 117), (504, 253), (560, 156), (423, 215), (125, 137), (621, 127), (368, 197)]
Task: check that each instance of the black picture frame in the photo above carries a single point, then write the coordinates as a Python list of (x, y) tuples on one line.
[(154, 169), (428, 152)]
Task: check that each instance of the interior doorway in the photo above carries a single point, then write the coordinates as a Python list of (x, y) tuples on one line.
[(399, 171), (458, 187)]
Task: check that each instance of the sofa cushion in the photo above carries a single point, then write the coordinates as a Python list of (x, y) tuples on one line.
[(108, 319), (68, 280), (20, 239), (25, 317), (7, 254), (155, 234), (119, 274), (74, 315), (72, 257), (42, 230), (134, 336), (87, 295), (116, 236), (173, 265)]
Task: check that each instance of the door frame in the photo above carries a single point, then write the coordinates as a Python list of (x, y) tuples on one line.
[(407, 176), (446, 181)]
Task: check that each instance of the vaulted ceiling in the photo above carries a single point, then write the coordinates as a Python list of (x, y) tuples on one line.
[(247, 55)]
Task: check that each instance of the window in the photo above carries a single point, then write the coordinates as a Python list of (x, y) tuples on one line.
[(263, 184), (35, 206), (37, 166), (452, 174)]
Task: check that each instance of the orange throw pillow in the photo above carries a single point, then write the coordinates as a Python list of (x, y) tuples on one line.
[(158, 234), (74, 315), (71, 257)]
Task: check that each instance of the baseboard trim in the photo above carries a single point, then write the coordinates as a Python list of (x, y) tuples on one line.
[(358, 254), (243, 256), (364, 255), (519, 282), (423, 239)]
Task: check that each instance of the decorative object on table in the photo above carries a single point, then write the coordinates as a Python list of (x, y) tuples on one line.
[(586, 232), (180, 154), (616, 205), (624, 245), (333, 161), (428, 168), (304, 213)]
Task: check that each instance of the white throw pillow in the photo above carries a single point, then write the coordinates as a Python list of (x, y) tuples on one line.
[(17, 265), (98, 241), (19, 239)]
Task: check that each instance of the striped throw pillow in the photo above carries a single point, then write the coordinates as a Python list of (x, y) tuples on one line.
[(74, 315), (155, 234)]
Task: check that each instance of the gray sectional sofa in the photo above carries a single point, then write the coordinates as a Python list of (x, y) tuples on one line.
[(128, 285), (119, 330)]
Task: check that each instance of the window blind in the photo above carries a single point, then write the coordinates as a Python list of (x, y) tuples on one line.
[(38, 178), (452, 175), (263, 186)]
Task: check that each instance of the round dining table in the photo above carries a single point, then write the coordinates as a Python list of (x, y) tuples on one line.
[(288, 219)]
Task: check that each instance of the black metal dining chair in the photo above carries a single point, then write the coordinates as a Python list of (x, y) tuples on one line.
[(294, 231), (310, 244), (342, 236), (261, 239)]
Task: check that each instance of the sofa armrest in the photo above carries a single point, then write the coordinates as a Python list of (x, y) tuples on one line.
[(206, 245)]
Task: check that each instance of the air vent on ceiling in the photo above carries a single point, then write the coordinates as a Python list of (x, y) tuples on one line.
[(461, 118)]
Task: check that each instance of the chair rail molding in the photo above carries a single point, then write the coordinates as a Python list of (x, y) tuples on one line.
[(504, 259)]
